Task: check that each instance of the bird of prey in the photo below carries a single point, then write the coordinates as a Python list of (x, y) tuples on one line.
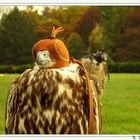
[(53, 97)]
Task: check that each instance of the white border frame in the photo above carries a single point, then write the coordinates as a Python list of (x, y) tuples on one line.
[(74, 3), (70, 2)]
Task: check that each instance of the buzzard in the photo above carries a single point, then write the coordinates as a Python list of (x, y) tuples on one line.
[(50, 101), (96, 65), (53, 97)]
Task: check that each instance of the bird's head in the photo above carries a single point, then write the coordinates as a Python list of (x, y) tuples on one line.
[(100, 56), (51, 52)]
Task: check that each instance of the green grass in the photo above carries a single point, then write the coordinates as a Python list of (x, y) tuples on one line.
[(5, 81), (121, 103)]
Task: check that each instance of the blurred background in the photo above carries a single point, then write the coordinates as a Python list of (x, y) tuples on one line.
[(87, 29)]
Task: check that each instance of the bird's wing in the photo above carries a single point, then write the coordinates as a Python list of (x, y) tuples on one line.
[(50, 101), (11, 104)]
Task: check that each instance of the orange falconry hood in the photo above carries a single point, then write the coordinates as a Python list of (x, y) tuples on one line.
[(56, 48)]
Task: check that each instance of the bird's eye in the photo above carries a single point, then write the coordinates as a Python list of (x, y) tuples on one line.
[(45, 54)]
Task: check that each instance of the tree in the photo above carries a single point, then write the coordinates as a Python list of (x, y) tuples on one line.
[(75, 45), (86, 23), (96, 38), (127, 44), (114, 23), (64, 16), (17, 37)]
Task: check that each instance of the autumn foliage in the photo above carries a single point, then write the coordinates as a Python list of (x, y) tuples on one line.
[(86, 29), (127, 44)]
